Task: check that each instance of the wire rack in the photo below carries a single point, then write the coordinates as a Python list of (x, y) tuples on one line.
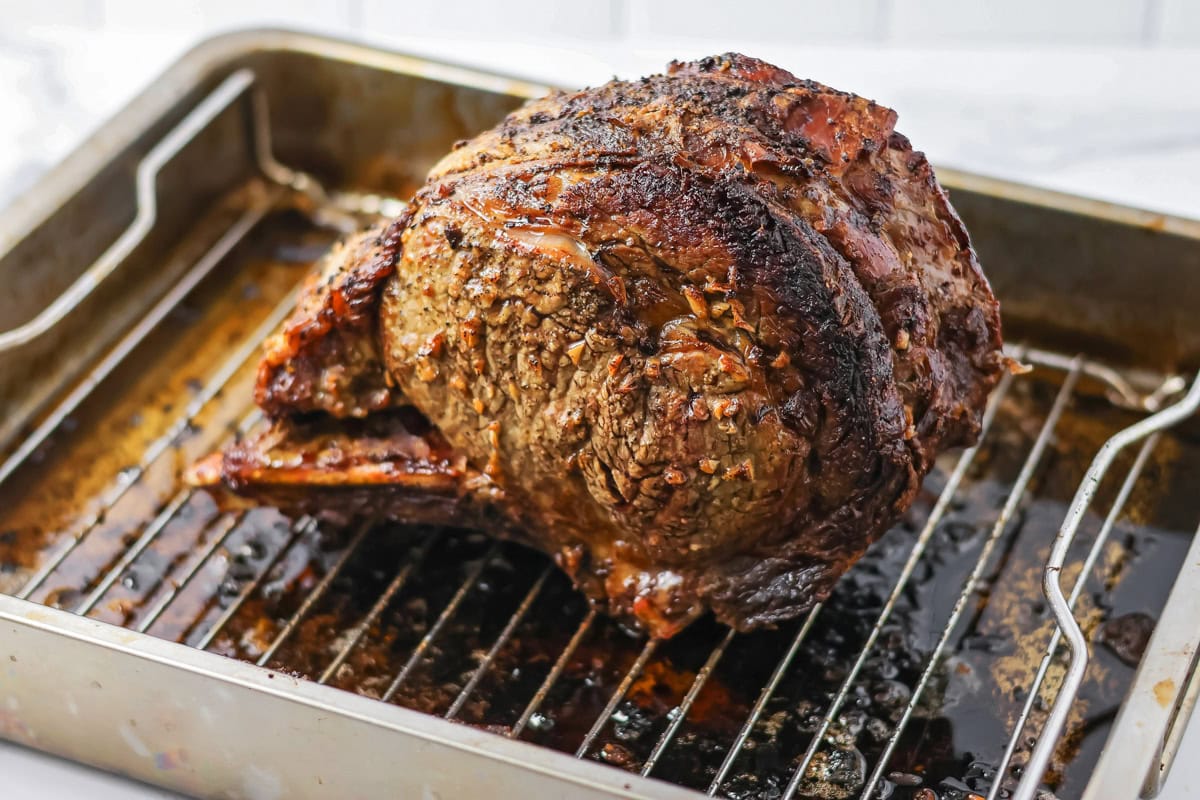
[(1043, 716)]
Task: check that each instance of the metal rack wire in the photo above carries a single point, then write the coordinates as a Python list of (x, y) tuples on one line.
[(340, 210)]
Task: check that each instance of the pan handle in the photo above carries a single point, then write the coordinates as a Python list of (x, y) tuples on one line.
[(342, 211), (146, 177), (1179, 637)]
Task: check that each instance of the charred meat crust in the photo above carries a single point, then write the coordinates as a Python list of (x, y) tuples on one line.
[(702, 334), (325, 356)]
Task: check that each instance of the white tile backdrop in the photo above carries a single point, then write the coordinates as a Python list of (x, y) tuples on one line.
[(1176, 23), (1045, 22), (1148, 22), (791, 21)]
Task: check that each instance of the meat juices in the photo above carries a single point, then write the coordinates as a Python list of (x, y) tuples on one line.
[(699, 337)]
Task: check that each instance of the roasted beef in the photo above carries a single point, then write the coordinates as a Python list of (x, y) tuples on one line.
[(698, 336)]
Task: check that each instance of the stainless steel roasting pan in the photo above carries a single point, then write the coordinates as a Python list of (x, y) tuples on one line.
[(108, 386)]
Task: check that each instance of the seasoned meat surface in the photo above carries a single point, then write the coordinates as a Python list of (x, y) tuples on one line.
[(326, 356), (700, 335)]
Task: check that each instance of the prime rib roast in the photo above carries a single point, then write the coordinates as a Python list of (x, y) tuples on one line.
[(698, 337)]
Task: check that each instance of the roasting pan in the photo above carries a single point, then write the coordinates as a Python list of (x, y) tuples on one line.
[(230, 652)]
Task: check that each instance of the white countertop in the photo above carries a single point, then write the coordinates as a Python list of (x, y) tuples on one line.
[(1116, 123)]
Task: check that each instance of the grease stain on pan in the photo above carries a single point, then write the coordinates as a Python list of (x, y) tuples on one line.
[(1164, 692)]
